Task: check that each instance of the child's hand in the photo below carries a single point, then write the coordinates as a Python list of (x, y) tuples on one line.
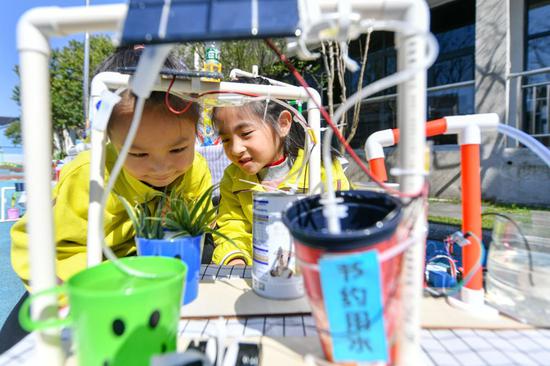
[(236, 262)]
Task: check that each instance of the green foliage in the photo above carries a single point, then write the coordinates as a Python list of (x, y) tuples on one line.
[(518, 212), (190, 218), (13, 132), (244, 54), (181, 217), (66, 81), (148, 224)]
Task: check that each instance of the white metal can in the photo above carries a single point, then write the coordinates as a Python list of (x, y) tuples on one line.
[(274, 270)]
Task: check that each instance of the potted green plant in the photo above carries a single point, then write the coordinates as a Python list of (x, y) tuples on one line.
[(175, 228)]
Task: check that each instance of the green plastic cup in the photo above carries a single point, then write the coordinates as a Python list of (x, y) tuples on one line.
[(118, 319)]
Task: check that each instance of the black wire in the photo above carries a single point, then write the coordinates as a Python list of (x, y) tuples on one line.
[(525, 242)]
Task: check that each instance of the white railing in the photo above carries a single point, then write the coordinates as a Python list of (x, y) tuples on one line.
[(430, 89), (517, 111)]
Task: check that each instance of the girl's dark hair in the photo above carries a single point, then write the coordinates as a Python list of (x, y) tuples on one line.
[(295, 139), (128, 57)]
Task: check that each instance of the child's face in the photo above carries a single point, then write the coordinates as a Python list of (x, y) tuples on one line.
[(163, 149), (249, 143)]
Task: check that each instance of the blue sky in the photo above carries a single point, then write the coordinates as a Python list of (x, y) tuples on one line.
[(10, 14)]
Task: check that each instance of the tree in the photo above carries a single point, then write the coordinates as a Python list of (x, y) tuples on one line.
[(335, 69), (235, 54), (326, 74), (13, 132), (66, 79)]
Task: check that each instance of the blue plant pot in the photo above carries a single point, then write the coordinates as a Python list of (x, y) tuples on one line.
[(186, 248)]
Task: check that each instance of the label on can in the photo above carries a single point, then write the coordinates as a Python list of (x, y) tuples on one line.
[(274, 271)]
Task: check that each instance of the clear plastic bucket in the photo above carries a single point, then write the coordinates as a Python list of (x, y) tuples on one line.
[(518, 270)]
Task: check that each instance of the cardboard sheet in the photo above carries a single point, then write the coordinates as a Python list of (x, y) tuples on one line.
[(438, 314), (235, 297)]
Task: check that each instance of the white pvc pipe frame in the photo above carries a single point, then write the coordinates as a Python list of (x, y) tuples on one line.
[(112, 80), (35, 28), (468, 128)]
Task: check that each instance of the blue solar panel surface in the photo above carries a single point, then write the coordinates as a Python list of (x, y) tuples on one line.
[(159, 21)]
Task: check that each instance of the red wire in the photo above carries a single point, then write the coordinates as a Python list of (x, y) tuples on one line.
[(227, 92), (326, 116), (167, 100)]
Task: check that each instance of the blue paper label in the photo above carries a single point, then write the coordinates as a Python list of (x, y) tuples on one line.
[(353, 301)]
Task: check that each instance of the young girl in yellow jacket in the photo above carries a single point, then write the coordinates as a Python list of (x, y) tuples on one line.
[(264, 145), (162, 157)]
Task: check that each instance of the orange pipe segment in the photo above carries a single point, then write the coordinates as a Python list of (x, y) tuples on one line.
[(395, 132), (433, 128), (471, 211), (436, 127), (378, 169)]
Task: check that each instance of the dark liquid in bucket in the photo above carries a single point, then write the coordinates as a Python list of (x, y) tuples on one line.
[(371, 224)]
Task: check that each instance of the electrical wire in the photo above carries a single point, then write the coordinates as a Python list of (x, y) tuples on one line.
[(109, 254), (449, 259), (167, 100), (330, 122), (466, 279)]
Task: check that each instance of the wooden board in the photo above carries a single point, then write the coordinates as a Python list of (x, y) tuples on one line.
[(235, 298), (438, 314)]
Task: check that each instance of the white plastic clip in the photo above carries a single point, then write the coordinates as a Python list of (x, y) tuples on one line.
[(304, 53), (254, 18), (333, 212), (396, 172), (350, 63), (107, 103)]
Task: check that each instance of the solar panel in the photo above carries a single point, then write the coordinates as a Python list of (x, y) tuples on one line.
[(165, 21)]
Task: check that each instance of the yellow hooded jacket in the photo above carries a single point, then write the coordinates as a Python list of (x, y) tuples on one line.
[(70, 209), (235, 210)]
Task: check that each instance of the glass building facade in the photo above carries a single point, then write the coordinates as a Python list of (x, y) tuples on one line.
[(450, 79), (536, 88)]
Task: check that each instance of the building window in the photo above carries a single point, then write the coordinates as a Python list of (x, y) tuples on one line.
[(536, 87), (450, 80)]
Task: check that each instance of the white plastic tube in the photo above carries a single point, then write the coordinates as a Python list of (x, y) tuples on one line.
[(333, 215), (33, 31), (533, 144), (148, 69), (412, 38)]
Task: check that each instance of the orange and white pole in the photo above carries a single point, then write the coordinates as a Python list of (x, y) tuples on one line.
[(374, 146), (468, 128), (471, 216), (374, 151)]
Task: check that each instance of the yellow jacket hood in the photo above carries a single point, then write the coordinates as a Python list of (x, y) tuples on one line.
[(70, 210)]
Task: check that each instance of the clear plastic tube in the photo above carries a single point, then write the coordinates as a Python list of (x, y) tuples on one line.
[(533, 144)]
